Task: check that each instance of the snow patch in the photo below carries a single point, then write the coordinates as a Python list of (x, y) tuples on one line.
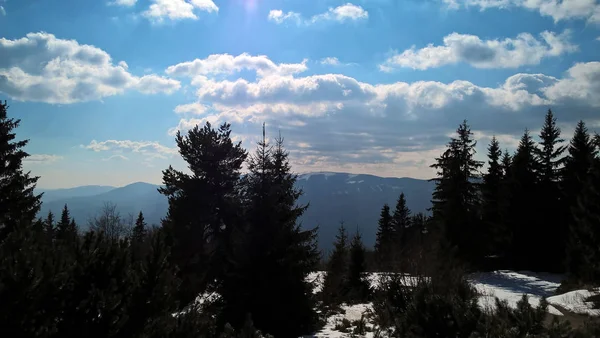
[(575, 301)]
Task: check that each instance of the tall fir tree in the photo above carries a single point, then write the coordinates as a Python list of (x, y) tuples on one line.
[(584, 237), (273, 256), (493, 227), (401, 222), (358, 286), (385, 240), (139, 230), (456, 198), (524, 220), (66, 229), (550, 199), (335, 284), (204, 206), (18, 202), (49, 225)]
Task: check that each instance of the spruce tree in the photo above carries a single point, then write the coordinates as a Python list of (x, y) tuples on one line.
[(272, 256), (493, 228), (203, 205), (49, 226), (139, 230), (401, 221), (66, 229), (335, 286), (18, 203), (385, 239), (358, 285), (551, 213), (523, 188), (584, 236), (456, 199)]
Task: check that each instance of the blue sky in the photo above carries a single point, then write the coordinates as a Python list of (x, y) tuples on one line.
[(362, 86)]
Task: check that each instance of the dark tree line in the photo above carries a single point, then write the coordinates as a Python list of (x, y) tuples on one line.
[(535, 209)]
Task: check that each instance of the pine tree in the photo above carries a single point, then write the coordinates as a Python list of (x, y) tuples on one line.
[(18, 203), (139, 230), (456, 199), (506, 163), (584, 236), (524, 223), (401, 221), (66, 229), (49, 226), (358, 285), (552, 215), (385, 239), (493, 223), (273, 256), (335, 286), (203, 205)]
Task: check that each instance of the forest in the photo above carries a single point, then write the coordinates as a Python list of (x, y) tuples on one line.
[(230, 258)]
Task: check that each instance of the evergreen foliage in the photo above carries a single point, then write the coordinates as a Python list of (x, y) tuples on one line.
[(203, 205), (18, 203), (384, 243), (335, 281), (358, 286)]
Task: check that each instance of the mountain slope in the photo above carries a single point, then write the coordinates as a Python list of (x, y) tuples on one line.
[(333, 197), (83, 191)]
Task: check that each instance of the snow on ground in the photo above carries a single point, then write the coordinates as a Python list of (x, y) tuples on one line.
[(351, 313), (575, 301), (511, 285)]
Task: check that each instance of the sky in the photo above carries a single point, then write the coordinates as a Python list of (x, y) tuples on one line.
[(360, 86)]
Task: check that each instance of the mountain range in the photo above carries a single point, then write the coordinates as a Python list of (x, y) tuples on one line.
[(332, 197)]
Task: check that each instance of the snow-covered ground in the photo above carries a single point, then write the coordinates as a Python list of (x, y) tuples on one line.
[(506, 285)]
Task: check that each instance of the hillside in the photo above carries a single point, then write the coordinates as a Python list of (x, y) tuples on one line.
[(333, 197)]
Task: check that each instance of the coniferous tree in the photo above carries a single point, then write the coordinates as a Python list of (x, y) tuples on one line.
[(401, 222), (335, 282), (493, 227), (139, 230), (203, 205), (456, 200), (524, 222), (358, 285), (385, 239), (66, 229), (584, 236), (551, 213), (18, 203), (49, 226), (273, 256)]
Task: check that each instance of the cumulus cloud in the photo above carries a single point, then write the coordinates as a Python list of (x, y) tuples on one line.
[(337, 122), (41, 158), (41, 67), (343, 13), (558, 10), (148, 148), (124, 3), (525, 49), (332, 61), (228, 64), (175, 10)]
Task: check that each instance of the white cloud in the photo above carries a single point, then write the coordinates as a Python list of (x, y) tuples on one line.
[(2, 11), (343, 13), (332, 61), (558, 10), (175, 10), (40, 67), (116, 158), (124, 3), (508, 53), (42, 158), (149, 148), (227, 64), (191, 108)]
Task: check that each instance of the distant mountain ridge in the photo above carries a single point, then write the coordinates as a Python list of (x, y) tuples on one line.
[(355, 199)]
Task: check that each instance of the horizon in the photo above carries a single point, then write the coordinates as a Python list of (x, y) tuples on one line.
[(354, 86)]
